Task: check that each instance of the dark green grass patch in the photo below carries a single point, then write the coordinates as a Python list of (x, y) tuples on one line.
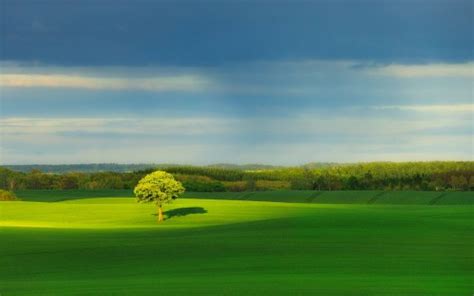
[(408, 197), (457, 198), (298, 196), (61, 195), (345, 197), (216, 195), (282, 196)]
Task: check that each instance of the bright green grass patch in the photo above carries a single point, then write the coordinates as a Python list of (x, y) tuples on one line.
[(112, 246), (127, 213)]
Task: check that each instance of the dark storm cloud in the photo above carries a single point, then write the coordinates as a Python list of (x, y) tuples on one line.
[(104, 32)]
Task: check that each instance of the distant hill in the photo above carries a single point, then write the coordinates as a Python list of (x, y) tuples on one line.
[(134, 167), (246, 167), (115, 167), (317, 165), (86, 168)]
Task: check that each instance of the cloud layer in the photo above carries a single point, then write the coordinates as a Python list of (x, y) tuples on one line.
[(220, 139), (427, 70), (185, 33), (284, 112), (235, 81), (458, 108), (183, 83)]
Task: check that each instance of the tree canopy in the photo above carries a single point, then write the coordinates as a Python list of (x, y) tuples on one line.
[(7, 195), (159, 187)]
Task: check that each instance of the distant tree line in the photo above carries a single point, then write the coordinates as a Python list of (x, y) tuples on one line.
[(435, 176)]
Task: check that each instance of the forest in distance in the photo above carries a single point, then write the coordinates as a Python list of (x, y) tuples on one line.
[(426, 176)]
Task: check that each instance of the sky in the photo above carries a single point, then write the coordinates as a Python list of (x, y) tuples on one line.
[(202, 82)]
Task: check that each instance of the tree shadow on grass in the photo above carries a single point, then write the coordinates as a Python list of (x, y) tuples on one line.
[(184, 212)]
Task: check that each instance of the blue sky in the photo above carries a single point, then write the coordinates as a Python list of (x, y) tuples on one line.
[(235, 81)]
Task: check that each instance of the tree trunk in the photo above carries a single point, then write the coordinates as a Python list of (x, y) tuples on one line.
[(160, 214)]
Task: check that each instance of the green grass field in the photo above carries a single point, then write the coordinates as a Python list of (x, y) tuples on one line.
[(298, 196), (113, 246)]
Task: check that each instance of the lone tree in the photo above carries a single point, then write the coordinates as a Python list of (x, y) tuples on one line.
[(159, 187), (7, 195)]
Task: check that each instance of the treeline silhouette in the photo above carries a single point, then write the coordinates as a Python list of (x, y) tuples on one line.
[(435, 175)]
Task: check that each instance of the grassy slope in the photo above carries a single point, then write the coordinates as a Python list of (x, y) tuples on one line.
[(457, 198), (61, 195), (111, 246), (410, 197), (346, 197), (298, 196)]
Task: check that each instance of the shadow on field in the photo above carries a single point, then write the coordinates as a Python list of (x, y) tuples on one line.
[(184, 212)]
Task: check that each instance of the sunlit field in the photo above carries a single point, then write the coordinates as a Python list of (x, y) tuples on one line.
[(114, 246)]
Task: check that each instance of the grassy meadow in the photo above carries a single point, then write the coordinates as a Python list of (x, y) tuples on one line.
[(291, 196), (60, 243)]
